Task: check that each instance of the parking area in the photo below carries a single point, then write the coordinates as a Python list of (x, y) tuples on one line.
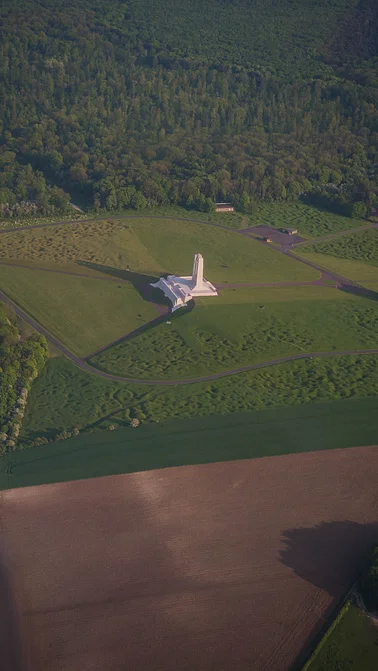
[(274, 234)]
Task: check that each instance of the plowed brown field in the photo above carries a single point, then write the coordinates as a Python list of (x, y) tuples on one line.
[(217, 567)]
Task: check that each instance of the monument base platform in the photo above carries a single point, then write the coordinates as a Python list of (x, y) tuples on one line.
[(180, 290)]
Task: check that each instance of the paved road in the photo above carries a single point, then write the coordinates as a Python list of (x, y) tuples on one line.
[(81, 363), (340, 281), (331, 236), (70, 222)]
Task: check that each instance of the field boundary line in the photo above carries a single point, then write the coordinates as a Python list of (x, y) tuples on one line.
[(341, 610)]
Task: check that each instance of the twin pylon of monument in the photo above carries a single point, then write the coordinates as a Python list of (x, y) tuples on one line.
[(181, 290)]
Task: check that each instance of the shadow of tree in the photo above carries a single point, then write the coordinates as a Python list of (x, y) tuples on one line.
[(141, 282), (330, 554)]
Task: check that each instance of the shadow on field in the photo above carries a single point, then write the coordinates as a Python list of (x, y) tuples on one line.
[(359, 291), (330, 554), (11, 649), (142, 283), (163, 317)]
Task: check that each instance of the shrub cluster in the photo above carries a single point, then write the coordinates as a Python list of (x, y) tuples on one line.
[(20, 363)]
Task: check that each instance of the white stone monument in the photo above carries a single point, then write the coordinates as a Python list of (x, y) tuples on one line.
[(181, 290)]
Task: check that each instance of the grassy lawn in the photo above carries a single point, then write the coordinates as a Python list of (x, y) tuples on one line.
[(200, 440), (83, 313), (352, 646), (107, 242), (228, 256), (213, 338), (361, 246), (152, 246), (310, 221), (64, 396), (358, 271)]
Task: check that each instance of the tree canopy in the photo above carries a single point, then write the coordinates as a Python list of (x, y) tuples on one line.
[(138, 103)]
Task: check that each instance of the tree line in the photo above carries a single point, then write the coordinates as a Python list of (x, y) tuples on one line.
[(21, 360), (103, 104)]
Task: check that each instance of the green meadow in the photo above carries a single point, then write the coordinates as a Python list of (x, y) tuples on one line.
[(82, 313), (64, 397), (154, 246), (215, 337), (310, 221), (352, 645), (359, 246), (196, 441), (357, 271)]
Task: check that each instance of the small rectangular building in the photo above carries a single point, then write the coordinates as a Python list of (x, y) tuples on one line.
[(289, 231), (224, 207)]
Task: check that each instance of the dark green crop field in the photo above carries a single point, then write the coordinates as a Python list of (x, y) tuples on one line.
[(352, 646), (196, 441), (64, 397)]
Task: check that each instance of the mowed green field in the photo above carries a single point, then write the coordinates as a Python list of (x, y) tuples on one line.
[(213, 338), (64, 396), (100, 243), (196, 441), (228, 256), (83, 314), (154, 246), (352, 645), (358, 271), (310, 221)]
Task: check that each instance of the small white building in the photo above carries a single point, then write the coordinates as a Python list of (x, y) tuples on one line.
[(181, 290)]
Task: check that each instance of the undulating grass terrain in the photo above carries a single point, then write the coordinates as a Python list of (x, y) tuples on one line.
[(83, 313), (358, 271), (106, 242), (310, 221), (352, 646), (360, 246), (201, 440), (64, 397), (152, 246), (214, 337)]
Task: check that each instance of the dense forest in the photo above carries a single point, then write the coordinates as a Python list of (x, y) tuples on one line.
[(21, 359), (139, 103)]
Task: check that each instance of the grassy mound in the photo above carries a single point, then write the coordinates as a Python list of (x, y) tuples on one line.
[(64, 397), (214, 338)]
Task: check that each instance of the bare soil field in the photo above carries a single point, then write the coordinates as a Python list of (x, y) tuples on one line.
[(215, 567)]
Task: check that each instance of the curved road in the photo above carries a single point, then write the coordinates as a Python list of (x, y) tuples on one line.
[(81, 363)]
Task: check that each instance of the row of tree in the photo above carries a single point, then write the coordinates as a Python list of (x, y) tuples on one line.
[(21, 360)]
